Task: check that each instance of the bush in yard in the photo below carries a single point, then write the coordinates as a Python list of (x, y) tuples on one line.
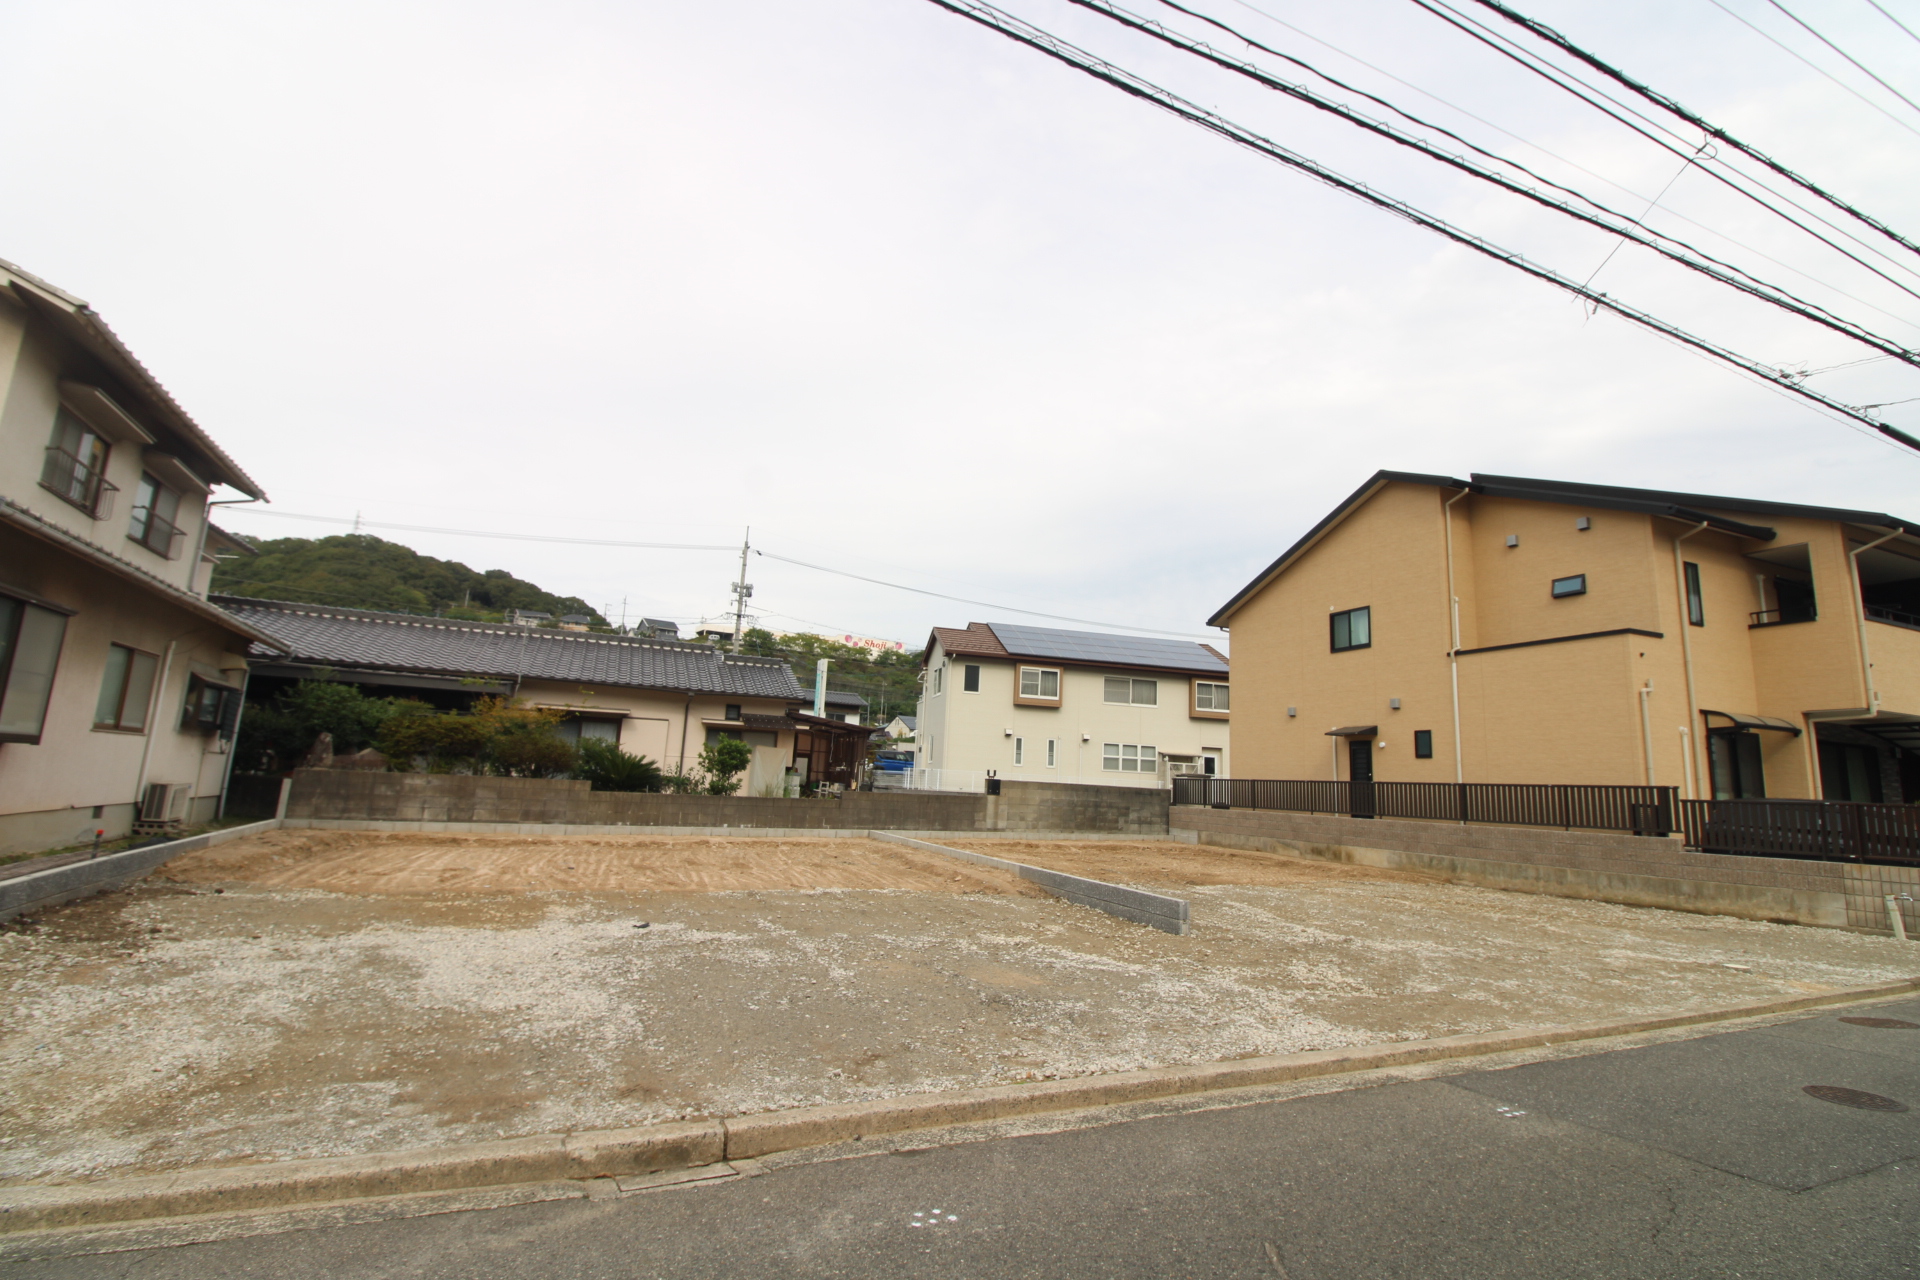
[(274, 735), (607, 768), (722, 760), (442, 741)]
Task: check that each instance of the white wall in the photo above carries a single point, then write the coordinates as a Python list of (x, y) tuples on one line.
[(969, 731)]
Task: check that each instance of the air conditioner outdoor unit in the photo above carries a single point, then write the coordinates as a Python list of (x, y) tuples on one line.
[(165, 802)]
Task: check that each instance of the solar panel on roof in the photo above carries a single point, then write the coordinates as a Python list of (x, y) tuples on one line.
[(1118, 651)]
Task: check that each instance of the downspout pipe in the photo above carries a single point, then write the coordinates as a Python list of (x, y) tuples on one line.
[(1692, 730), (156, 701), (1453, 651)]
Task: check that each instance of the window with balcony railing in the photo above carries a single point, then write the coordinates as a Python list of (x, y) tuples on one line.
[(154, 509), (76, 464)]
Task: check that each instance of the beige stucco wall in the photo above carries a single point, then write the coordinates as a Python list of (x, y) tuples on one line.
[(667, 728), (969, 731), (34, 362), (48, 791), (1562, 712)]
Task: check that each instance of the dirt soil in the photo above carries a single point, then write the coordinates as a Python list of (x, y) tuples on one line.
[(367, 862), (307, 993)]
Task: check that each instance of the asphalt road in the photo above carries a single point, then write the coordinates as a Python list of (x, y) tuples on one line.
[(1690, 1158)]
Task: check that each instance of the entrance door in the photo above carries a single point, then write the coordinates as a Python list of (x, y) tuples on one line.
[(1360, 776), (1733, 760)]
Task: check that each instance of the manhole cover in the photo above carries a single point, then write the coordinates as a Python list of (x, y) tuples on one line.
[(1852, 1098), (1892, 1024)]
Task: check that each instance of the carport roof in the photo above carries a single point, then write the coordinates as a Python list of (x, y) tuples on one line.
[(349, 639)]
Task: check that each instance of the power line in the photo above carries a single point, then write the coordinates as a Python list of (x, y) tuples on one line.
[(1721, 271), (358, 523), (1769, 38), (1022, 32), (1587, 94), (1843, 53), (1890, 18), (1713, 131), (1004, 608), (1553, 37), (1545, 151), (681, 546)]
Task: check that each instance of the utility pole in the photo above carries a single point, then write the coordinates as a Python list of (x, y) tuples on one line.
[(741, 590)]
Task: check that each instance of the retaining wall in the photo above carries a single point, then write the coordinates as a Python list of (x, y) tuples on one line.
[(1636, 870), (321, 795), (74, 876)]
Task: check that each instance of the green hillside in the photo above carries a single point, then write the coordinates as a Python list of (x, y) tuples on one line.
[(360, 571)]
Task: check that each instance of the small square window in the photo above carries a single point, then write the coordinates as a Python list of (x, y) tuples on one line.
[(1573, 586), (1352, 629), (1209, 697), (1423, 744), (733, 711), (970, 678)]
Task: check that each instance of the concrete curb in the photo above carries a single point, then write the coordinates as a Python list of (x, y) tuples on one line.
[(1170, 915), (60, 884), (623, 1153)]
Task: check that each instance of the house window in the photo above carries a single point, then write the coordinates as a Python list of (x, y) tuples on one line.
[(1733, 762), (939, 678), (970, 677), (210, 707), (1036, 682), (125, 690), (752, 737), (1209, 697), (733, 711), (1352, 629), (154, 509), (1423, 744), (1125, 757), (1052, 745), (1696, 607), (1573, 586), (76, 464), (1136, 693), (1019, 750), (30, 638)]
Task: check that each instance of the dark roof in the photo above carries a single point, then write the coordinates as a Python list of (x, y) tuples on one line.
[(1694, 507), (15, 516), (1080, 648), (837, 698), (348, 638)]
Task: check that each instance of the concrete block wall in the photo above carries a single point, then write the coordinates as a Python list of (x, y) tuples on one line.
[(422, 797), (1636, 870), (1069, 806)]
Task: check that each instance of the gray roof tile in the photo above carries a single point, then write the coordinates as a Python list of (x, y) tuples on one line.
[(348, 638)]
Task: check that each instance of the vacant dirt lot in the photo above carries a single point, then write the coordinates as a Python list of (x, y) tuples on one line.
[(323, 993), (362, 862)]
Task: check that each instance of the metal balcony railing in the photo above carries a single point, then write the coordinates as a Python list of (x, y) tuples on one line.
[(154, 532), (71, 480), (1880, 613)]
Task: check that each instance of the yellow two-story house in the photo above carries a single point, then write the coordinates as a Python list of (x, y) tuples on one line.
[(1499, 629)]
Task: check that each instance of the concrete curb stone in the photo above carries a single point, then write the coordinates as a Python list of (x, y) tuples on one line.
[(625, 1153)]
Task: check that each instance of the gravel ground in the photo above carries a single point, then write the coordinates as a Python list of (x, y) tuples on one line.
[(199, 1020)]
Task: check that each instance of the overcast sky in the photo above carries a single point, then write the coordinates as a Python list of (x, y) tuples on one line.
[(913, 301)]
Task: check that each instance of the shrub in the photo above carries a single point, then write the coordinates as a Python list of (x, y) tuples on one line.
[(722, 760), (274, 735), (607, 768), (443, 738)]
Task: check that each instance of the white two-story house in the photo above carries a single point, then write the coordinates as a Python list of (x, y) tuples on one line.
[(120, 685), (1046, 705)]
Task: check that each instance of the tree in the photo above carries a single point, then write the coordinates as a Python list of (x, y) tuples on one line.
[(722, 760), (360, 571), (275, 734)]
